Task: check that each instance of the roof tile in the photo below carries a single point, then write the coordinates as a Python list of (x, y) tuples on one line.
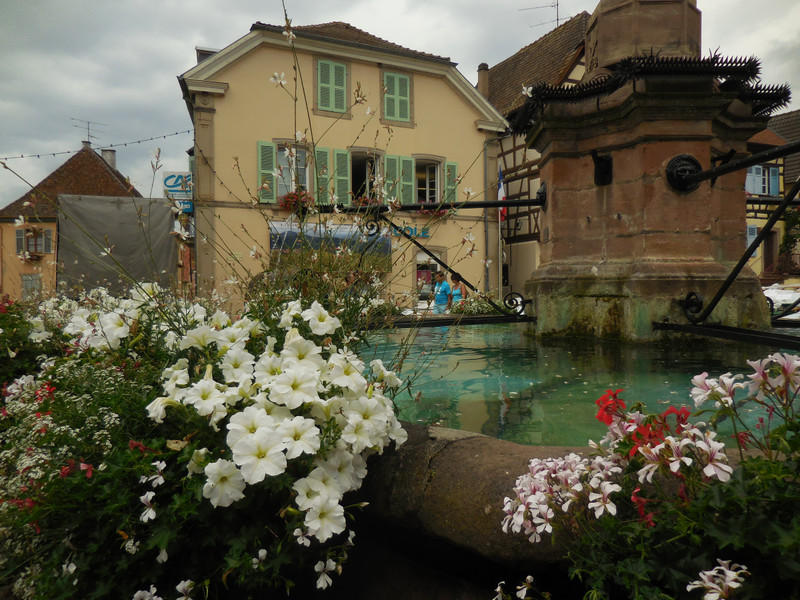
[(546, 60), (85, 173), (344, 32)]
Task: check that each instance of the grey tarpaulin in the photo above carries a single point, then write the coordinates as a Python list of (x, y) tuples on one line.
[(137, 230)]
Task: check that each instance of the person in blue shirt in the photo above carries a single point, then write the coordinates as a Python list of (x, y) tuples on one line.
[(442, 297), (459, 290)]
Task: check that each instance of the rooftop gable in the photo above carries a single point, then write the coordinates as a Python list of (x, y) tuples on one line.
[(338, 39), (85, 173), (547, 60)]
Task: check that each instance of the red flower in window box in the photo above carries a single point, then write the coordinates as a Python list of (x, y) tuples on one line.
[(296, 200)]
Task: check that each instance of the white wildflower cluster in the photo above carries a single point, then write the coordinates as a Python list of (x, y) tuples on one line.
[(285, 404), (721, 581), (554, 484), (97, 319)]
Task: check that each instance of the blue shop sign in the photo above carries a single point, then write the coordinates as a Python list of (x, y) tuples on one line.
[(411, 231)]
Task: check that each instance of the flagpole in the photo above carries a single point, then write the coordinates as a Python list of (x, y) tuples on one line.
[(499, 255)]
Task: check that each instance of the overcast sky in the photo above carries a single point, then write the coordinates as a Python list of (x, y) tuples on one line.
[(115, 63)]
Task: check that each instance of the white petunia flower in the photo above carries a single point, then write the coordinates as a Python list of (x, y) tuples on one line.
[(301, 352), (260, 455), (300, 435), (294, 387), (326, 519), (199, 337), (246, 423), (237, 365), (292, 310), (320, 321), (224, 485)]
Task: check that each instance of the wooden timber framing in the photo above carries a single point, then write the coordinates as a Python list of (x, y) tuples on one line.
[(520, 166)]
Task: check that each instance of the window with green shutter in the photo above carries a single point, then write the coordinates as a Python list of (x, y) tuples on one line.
[(331, 86), (341, 174), (399, 174), (450, 182), (391, 176), (396, 97), (266, 172), (407, 177), (322, 174)]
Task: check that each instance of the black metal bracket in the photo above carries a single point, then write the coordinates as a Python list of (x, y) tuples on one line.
[(722, 160), (541, 195)]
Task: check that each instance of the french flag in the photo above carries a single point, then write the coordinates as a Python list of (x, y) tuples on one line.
[(501, 193)]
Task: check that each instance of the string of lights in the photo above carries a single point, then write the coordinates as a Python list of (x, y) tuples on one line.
[(104, 146)]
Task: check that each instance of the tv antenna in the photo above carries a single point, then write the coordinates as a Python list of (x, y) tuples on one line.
[(553, 4), (88, 125)]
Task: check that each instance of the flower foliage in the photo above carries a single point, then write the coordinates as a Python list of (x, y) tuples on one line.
[(658, 498), (171, 447), (472, 305)]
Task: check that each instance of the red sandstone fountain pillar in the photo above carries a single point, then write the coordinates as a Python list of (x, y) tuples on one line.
[(619, 247)]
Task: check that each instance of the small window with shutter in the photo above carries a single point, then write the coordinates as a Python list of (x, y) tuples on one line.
[(331, 86), (396, 97)]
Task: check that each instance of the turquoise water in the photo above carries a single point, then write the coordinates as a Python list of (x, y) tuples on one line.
[(495, 380)]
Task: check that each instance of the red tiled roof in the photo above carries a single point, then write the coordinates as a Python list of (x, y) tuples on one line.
[(85, 173), (344, 32), (547, 60), (765, 137)]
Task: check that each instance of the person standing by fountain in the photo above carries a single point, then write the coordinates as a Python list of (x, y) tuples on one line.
[(459, 290), (442, 296)]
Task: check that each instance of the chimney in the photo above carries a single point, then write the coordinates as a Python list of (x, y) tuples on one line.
[(86, 144), (483, 79), (110, 156)]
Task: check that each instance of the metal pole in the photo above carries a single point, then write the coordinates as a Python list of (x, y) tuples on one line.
[(754, 159)]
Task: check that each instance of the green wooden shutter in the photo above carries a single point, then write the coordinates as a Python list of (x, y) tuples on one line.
[(331, 86), (450, 182), (324, 87), (408, 179), (20, 241), (390, 96), (339, 87), (396, 97), (403, 98), (48, 241), (322, 174), (341, 166), (266, 171), (391, 174)]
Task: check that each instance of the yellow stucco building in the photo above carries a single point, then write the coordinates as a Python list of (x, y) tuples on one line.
[(347, 118)]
